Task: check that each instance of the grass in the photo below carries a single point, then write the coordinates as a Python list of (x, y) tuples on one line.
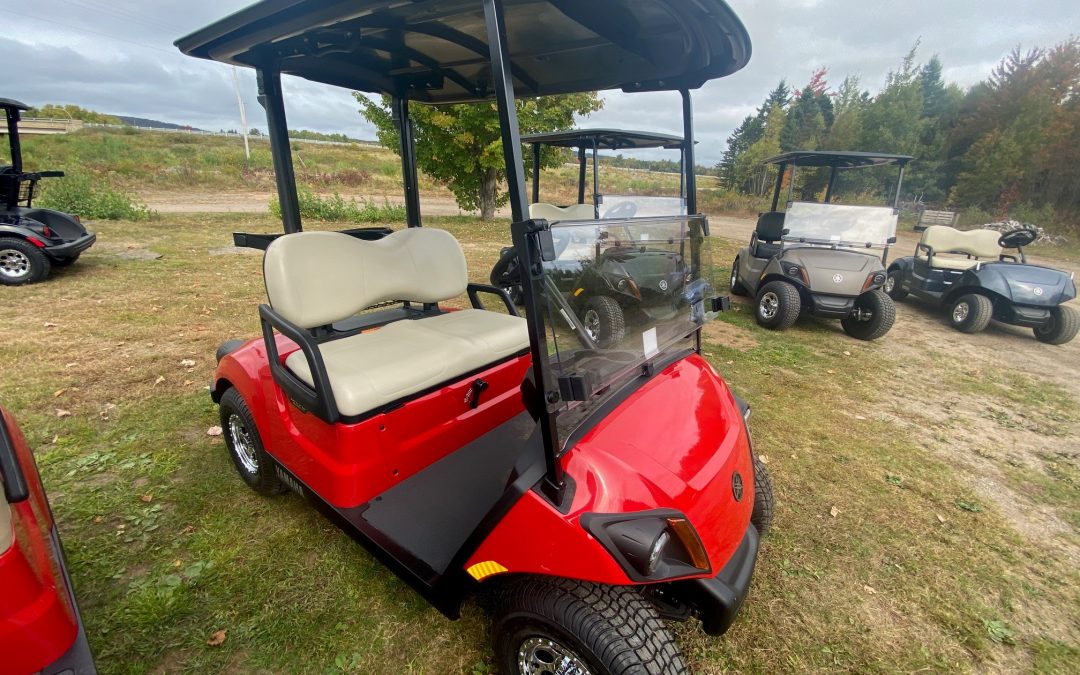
[(167, 546)]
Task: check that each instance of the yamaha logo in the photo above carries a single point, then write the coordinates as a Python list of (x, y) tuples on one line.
[(737, 486), (837, 278), (663, 284), (1037, 290)]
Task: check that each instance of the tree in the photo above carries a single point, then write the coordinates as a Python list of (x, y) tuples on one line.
[(71, 112), (461, 147)]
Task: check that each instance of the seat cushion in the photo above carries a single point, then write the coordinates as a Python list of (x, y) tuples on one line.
[(499, 335), (763, 249), (948, 262)]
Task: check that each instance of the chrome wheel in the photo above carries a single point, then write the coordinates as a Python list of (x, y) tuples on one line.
[(544, 656), (734, 276), (768, 306), (14, 264), (592, 323), (960, 312), (890, 284), (242, 445)]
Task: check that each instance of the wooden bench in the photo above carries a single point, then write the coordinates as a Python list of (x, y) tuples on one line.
[(928, 218)]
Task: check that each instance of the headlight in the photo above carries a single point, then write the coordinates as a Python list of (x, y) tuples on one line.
[(650, 545), (873, 279), (796, 272)]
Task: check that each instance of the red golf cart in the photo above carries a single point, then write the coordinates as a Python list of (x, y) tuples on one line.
[(597, 489), (40, 627)]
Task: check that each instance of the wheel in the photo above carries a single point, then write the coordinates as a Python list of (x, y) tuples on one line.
[(66, 262), (551, 625), (761, 516), (603, 320), (245, 447), (21, 262), (892, 286), (778, 305), (871, 317), (1062, 327), (971, 313), (737, 287)]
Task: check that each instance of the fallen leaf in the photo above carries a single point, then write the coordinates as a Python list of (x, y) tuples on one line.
[(187, 382), (58, 393), (764, 459), (188, 529), (859, 417), (216, 638), (50, 324), (71, 365), (98, 520), (159, 380), (941, 518), (60, 412), (833, 511), (869, 589), (213, 431), (146, 498), (187, 363), (831, 371)]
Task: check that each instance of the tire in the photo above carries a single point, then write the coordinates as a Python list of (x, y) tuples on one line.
[(892, 286), (778, 305), (604, 321), (971, 313), (66, 262), (608, 630), (762, 515), (252, 462), (1063, 326), (737, 287), (21, 262), (882, 316)]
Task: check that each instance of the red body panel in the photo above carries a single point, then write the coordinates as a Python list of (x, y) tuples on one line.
[(37, 617), (673, 443)]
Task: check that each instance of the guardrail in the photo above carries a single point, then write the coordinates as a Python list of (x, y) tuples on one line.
[(36, 125)]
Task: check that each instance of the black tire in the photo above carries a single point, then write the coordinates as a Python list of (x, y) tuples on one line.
[(778, 305), (1063, 326), (762, 515), (254, 465), (882, 316), (893, 287), (609, 629), (971, 313), (737, 287), (66, 262), (21, 262), (604, 321)]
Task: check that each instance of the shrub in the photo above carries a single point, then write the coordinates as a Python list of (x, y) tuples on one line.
[(337, 208), (90, 197)]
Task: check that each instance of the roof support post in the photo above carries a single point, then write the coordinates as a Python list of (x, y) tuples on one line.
[(899, 184), (13, 139), (504, 97), (400, 110), (689, 164), (779, 185), (596, 177), (271, 100), (582, 168), (832, 182), (536, 172)]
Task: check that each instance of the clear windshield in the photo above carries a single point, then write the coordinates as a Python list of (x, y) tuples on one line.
[(638, 206), (839, 224), (621, 293)]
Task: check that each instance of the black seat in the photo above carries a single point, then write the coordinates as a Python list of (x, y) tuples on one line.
[(770, 229)]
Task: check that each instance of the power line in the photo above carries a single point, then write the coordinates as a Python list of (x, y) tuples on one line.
[(93, 32), (121, 13)]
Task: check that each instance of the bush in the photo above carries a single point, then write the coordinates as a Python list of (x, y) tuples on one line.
[(336, 208), (90, 197)]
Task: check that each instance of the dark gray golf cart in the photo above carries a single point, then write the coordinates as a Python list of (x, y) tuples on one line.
[(824, 259), (32, 240)]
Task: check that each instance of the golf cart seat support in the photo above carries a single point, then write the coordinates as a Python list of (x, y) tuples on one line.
[(314, 279), (939, 240), (553, 213), (770, 229)]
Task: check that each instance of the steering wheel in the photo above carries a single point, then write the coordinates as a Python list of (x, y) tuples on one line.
[(1017, 238), (505, 272), (624, 210)]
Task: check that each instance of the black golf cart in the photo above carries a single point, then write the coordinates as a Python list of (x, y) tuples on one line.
[(32, 240), (594, 490), (822, 258), (969, 273)]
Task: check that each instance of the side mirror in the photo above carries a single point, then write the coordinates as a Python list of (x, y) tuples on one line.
[(784, 232), (890, 240)]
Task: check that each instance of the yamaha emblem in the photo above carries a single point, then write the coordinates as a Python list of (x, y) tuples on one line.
[(837, 278), (1037, 290), (663, 284), (737, 486)]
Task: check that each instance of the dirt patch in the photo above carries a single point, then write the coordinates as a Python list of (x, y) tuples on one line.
[(728, 335)]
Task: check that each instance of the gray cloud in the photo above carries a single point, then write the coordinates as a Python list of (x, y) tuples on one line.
[(117, 56)]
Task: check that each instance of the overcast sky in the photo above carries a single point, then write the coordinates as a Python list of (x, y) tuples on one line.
[(116, 56)]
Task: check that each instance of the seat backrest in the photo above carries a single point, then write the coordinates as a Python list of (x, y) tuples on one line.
[(317, 278), (979, 243), (552, 212), (770, 226)]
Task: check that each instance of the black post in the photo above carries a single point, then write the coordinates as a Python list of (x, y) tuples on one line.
[(536, 172), (13, 139), (399, 107), (504, 96), (682, 173), (832, 182), (779, 185), (582, 168), (271, 100), (899, 184), (690, 169), (596, 177)]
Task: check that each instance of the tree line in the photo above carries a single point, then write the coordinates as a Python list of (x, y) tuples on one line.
[(1009, 144)]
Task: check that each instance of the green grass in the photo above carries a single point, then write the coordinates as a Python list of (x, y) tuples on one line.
[(167, 546)]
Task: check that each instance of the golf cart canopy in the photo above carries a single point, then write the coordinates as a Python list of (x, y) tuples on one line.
[(8, 103), (436, 51), (839, 160), (605, 139)]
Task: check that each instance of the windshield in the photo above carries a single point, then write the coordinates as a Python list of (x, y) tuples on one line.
[(619, 294), (637, 206), (861, 226)]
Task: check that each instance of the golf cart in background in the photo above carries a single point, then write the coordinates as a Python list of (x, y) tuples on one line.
[(970, 274), (594, 489), (32, 240), (824, 259), (40, 627)]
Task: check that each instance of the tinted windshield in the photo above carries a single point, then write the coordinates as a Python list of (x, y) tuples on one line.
[(839, 224)]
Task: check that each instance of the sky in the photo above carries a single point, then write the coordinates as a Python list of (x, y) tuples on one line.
[(116, 56)]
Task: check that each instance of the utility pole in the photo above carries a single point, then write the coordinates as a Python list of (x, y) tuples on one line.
[(243, 113)]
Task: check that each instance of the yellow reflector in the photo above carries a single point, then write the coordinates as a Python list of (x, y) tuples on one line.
[(485, 569), (579, 292)]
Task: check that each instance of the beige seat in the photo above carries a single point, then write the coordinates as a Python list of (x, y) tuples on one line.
[(316, 278), (553, 213), (949, 244)]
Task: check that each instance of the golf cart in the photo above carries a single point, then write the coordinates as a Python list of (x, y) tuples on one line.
[(970, 274), (40, 627), (821, 258), (32, 241), (594, 489), (634, 273)]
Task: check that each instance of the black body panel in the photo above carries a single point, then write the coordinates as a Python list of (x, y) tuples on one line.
[(717, 600), (830, 306)]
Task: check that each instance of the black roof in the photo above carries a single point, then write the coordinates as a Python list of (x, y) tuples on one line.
[(837, 158), (436, 50), (12, 103), (606, 139)]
